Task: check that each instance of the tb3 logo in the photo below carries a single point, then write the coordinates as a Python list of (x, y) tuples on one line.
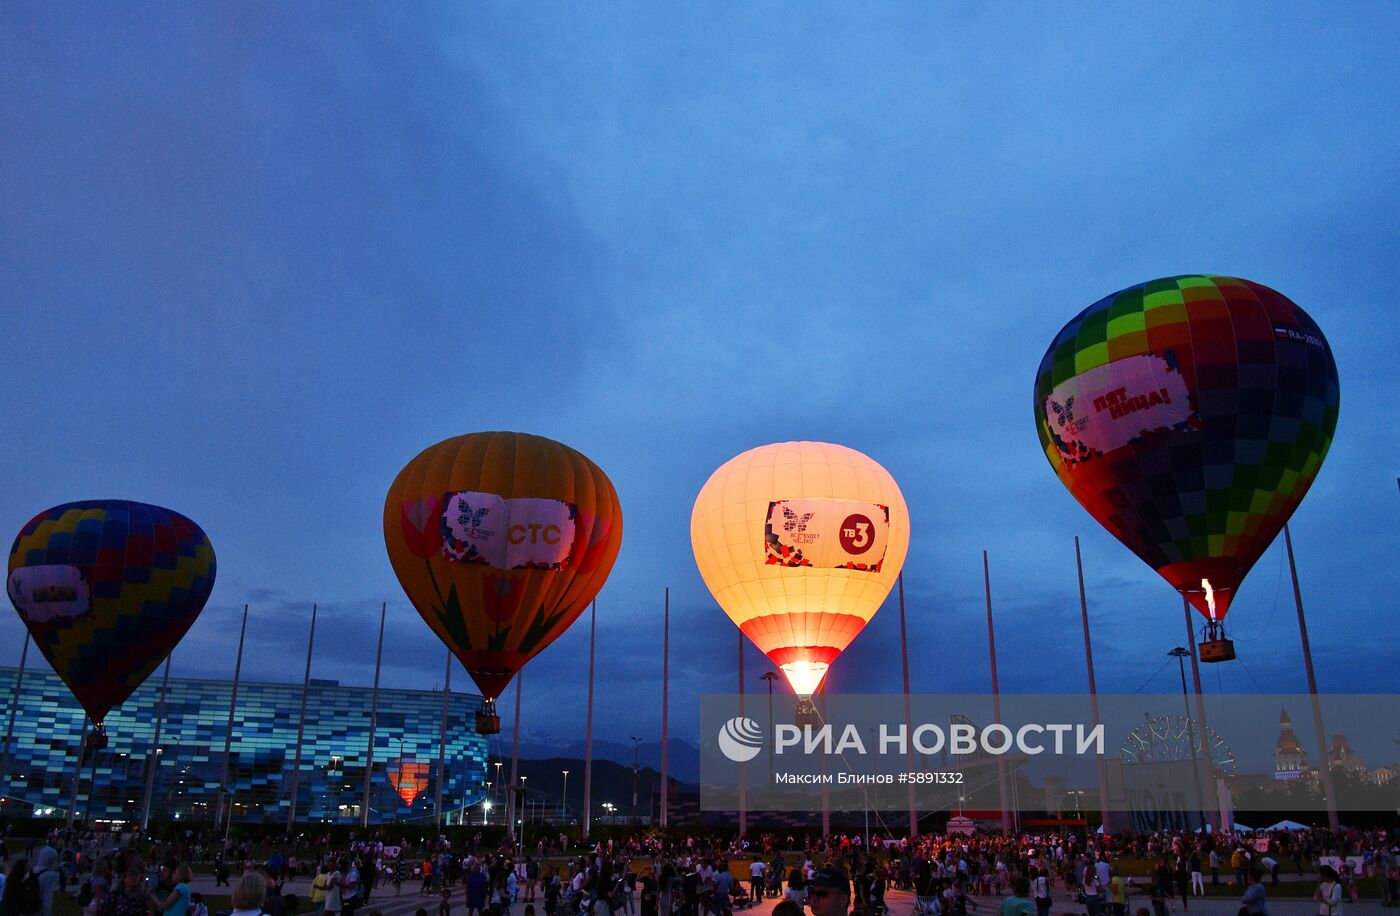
[(856, 535)]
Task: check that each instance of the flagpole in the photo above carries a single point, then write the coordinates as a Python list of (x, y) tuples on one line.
[(1324, 757), (1206, 765), (301, 725), (232, 708), (588, 740), (996, 694), (908, 716), (514, 759), (665, 702), (373, 717), (743, 794), (153, 760), (442, 744), (14, 707), (77, 773), (1093, 687)]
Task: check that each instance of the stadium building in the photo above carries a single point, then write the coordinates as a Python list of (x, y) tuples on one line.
[(49, 726)]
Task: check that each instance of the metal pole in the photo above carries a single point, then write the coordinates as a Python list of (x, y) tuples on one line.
[(514, 760), (153, 761), (77, 774), (1325, 757), (442, 744), (14, 707), (743, 793), (588, 740), (232, 708), (908, 715), (665, 703), (1100, 764), (301, 726), (1206, 764), (996, 694), (373, 717), (826, 789), (1181, 654)]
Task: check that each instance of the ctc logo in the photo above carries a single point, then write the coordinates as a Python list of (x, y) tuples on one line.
[(538, 534)]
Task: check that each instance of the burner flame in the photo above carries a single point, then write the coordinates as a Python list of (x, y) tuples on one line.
[(1210, 597)]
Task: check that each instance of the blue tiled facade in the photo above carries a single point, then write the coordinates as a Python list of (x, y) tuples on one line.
[(49, 725)]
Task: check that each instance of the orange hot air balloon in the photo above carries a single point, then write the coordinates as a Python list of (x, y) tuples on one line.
[(500, 541), (408, 777), (800, 543)]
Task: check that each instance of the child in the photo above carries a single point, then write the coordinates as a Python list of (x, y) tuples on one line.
[(197, 907), (445, 906)]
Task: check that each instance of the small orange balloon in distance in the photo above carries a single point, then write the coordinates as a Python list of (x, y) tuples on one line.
[(800, 543), (501, 540)]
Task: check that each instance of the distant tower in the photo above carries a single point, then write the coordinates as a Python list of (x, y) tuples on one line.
[(1289, 760)]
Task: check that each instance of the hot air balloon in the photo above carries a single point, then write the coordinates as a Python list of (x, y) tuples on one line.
[(408, 777), (500, 541), (1190, 415), (107, 588), (800, 543)]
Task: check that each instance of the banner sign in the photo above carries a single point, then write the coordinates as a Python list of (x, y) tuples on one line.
[(507, 533), (1107, 407), (826, 534)]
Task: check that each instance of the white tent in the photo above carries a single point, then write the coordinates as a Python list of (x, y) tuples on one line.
[(1288, 825)]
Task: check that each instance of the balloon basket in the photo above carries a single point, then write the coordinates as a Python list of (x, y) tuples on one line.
[(487, 722), (1214, 647), (806, 713), (97, 739), (1217, 650)]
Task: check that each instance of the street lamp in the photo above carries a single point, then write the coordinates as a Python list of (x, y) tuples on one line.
[(1181, 653), (565, 806), (485, 811), (636, 771)]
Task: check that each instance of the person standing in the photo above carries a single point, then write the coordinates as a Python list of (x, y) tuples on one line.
[(334, 900), (1214, 867), (178, 902), (829, 891), (1254, 902), (1019, 902), (1042, 892), (1198, 884), (1329, 892)]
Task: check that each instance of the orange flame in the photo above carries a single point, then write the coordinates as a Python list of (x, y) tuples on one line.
[(1210, 597)]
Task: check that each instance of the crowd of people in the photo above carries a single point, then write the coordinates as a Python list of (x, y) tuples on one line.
[(647, 875)]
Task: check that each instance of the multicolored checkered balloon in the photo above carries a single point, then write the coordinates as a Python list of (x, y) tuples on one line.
[(1190, 415), (107, 588)]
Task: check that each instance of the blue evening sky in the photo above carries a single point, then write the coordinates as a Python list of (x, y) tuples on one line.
[(255, 256)]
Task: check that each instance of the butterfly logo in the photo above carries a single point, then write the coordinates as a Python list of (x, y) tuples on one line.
[(1064, 416), (792, 521)]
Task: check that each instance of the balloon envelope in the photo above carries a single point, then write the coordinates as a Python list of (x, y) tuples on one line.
[(107, 588), (501, 540), (800, 543), (1190, 415)]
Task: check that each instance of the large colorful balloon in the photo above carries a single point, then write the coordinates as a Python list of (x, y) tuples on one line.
[(800, 543), (107, 588), (1190, 415), (500, 541)]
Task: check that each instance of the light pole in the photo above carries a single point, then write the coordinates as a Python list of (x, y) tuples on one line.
[(485, 811), (497, 765), (1181, 654), (565, 809), (636, 771)]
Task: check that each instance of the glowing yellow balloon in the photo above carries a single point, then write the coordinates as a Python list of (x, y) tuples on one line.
[(800, 543)]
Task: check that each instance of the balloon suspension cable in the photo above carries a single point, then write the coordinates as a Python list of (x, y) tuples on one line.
[(865, 792)]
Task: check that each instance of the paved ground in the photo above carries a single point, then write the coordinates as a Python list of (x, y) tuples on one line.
[(901, 903)]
